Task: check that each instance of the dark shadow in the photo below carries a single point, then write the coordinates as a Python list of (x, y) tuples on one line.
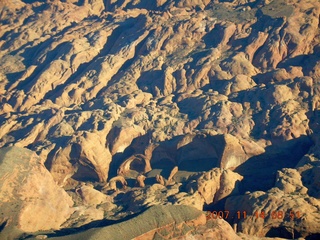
[(13, 77), (126, 33), (30, 53), (23, 120), (188, 106), (107, 48), (309, 180), (137, 165), (200, 154), (142, 4), (199, 165), (214, 37), (283, 232), (149, 80), (137, 146), (94, 224), (129, 62), (86, 173), (29, 82), (131, 183), (111, 6), (165, 165), (40, 8), (259, 172), (3, 225), (78, 3), (307, 62), (86, 170), (218, 206), (117, 160), (61, 141), (315, 236), (150, 181)]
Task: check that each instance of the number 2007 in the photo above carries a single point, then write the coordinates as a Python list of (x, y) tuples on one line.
[(217, 215)]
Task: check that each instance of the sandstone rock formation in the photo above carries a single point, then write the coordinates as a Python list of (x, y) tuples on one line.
[(112, 184), (140, 180), (275, 213), (30, 199), (164, 222), (216, 184)]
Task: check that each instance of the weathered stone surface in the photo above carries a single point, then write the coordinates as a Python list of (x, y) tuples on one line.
[(84, 156), (158, 218), (120, 138), (276, 213), (30, 199), (90, 196), (215, 185)]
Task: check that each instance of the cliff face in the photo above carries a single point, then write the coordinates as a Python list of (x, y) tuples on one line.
[(110, 91)]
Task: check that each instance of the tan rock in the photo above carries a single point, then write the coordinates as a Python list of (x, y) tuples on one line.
[(233, 154), (257, 42), (121, 137), (60, 167), (164, 217), (195, 200), (229, 182), (289, 181), (84, 215), (140, 180), (217, 184), (172, 173), (214, 229), (82, 150), (139, 162), (239, 64), (30, 199), (160, 180), (241, 82), (112, 184), (275, 210), (90, 196)]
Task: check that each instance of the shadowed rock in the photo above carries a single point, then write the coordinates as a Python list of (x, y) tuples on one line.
[(161, 222)]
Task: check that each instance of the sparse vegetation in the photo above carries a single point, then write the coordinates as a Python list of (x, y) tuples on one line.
[(278, 9)]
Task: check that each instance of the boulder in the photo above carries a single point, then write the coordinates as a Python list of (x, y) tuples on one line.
[(30, 200), (215, 185)]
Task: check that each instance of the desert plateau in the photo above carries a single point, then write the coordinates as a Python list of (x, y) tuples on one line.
[(159, 119)]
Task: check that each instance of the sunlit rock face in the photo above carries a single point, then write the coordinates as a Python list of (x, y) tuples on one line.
[(178, 102), (30, 199)]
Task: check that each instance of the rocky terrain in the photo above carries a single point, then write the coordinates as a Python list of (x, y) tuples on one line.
[(137, 117)]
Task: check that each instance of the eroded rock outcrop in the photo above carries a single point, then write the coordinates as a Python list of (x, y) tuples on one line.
[(163, 220), (215, 185), (285, 210), (84, 156), (30, 199)]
